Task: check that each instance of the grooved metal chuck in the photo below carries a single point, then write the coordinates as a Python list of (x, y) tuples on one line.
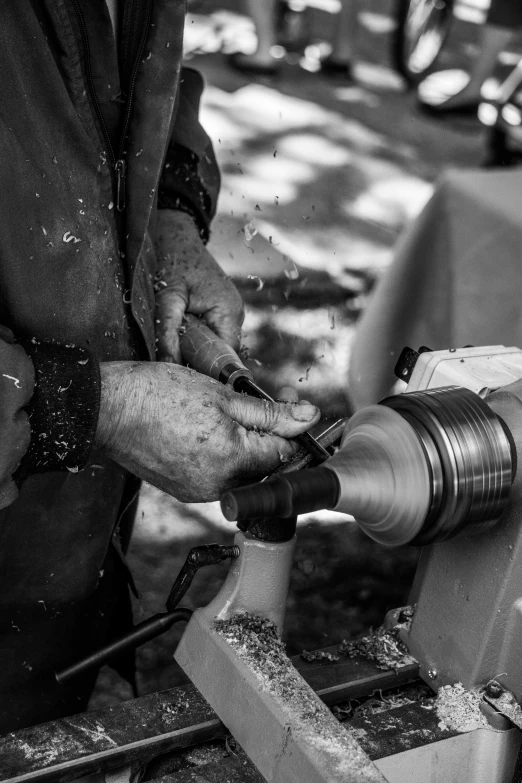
[(469, 454)]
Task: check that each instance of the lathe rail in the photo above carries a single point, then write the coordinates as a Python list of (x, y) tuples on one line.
[(161, 722)]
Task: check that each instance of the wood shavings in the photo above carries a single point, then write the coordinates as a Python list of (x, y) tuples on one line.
[(255, 640), (249, 230), (16, 381), (293, 273), (459, 709), (319, 655), (260, 283), (308, 369), (381, 646), (68, 237)]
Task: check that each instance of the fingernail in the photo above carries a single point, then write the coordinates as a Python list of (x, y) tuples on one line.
[(303, 411)]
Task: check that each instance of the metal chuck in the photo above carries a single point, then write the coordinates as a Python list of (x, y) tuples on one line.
[(416, 468), (420, 466)]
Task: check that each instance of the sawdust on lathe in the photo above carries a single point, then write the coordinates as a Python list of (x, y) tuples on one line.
[(381, 646), (255, 640), (319, 655), (459, 709)]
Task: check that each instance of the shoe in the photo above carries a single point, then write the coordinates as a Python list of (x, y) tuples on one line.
[(239, 62), (337, 69)]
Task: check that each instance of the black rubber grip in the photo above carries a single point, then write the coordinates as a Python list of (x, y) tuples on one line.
[(285, 495)]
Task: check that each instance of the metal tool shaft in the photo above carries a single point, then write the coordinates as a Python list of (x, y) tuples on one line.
[(246, 385)]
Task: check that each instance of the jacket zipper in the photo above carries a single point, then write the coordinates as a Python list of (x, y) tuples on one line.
[(118, 164)]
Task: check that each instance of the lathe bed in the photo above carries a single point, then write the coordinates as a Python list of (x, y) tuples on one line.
[(179, 719), (183, 740)]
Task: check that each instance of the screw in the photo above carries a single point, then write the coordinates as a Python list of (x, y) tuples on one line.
[(493, 690), (432, 674)]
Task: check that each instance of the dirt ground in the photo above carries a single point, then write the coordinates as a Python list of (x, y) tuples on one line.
[(319, 180)]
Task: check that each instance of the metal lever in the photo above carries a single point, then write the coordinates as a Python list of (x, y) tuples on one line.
[(198, 557)]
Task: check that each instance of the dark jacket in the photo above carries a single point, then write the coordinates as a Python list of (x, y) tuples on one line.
[(75, 271)]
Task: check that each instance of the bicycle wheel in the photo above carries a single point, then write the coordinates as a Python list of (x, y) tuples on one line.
[(422, 28)]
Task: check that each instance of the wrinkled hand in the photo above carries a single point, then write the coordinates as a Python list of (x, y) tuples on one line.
[(189, 435), (189, 279)]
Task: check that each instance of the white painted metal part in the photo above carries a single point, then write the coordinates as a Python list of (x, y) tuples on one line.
[(481, 370), (257, 581), (480, 756)]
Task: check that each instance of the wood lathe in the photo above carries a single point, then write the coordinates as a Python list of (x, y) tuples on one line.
[(436, 467)]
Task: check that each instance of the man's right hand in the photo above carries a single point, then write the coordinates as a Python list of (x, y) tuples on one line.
[(189, 435)]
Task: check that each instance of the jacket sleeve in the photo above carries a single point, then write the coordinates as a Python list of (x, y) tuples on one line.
[(16, 389), (190, 179), (64, 408), (49, 406)]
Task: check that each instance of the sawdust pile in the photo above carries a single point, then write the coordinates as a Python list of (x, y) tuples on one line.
[(459, 709), (256, 641), (381, 646), (319, 655)]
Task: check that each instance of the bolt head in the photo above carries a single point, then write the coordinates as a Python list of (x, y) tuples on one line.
[(432, 674), (494, 690)]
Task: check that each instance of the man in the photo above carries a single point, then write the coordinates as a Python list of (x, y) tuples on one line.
[(102, 156)]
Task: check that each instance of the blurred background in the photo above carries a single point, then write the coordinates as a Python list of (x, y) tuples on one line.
[(321, 173)]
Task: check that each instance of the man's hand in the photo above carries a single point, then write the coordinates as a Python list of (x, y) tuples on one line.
[(189, 435), (189, 279)]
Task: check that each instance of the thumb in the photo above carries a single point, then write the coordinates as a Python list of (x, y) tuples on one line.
[(171, 304), (286, 420)]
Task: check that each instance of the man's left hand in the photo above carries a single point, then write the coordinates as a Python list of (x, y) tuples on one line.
[(190, 280)]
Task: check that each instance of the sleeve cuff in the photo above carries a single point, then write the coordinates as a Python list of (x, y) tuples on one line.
[(63, 411)]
